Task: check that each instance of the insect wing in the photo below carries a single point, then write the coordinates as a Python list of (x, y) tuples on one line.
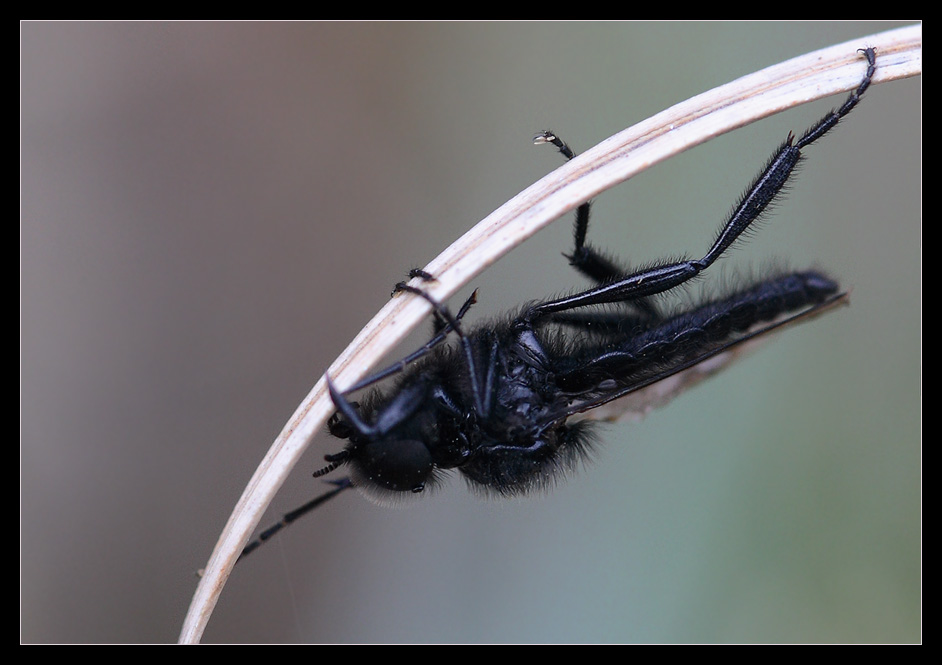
[(633, 403)]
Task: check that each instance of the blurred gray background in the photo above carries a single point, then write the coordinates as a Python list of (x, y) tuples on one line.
[(211, 211)]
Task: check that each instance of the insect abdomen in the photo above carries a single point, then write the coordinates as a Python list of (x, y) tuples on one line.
[(713, 324)]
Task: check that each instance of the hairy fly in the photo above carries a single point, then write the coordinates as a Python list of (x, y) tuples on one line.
[(499, 404)]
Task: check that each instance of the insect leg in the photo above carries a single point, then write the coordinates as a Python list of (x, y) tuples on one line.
[(440, 335), (763, 191), (831, 119), (445, 314), (415, 272), (584, 258), (288, 518)]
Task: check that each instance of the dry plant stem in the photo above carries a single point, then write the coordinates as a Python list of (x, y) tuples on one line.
[(819, 74)]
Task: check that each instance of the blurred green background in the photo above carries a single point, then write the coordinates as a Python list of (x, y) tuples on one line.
[(211, 211)]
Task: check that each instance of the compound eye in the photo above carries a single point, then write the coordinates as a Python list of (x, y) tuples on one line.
[(398, 465), (339, 427)]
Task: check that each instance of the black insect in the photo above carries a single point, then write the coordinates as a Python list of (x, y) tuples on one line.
[(499, 405)]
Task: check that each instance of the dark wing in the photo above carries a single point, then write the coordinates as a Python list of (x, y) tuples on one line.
[(651, 391)]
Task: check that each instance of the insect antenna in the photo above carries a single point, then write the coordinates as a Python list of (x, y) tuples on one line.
[(336, 461)]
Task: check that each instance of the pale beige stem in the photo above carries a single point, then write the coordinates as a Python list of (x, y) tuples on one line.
[(806, 78)]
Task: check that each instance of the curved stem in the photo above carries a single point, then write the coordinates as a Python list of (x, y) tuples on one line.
[(803, 79)]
